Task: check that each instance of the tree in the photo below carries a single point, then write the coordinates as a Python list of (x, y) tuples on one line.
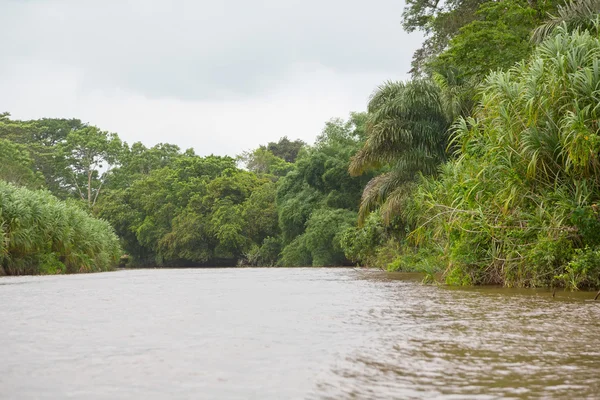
[(182, 209), (286, 149), (88, 151), (259, 213), (440, 22), (407, 132), (17, 166), (497, 39), (41, 138), (319, 196), (488, 34), (263, 161)]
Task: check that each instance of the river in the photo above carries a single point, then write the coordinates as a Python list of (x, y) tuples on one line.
[(290, 334)]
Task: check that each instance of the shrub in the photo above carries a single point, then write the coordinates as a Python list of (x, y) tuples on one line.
[(40, 234)]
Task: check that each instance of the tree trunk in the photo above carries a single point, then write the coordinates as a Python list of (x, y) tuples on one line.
[(89, 188)]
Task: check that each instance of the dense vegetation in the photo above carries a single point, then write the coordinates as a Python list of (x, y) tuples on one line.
[(483, 169), (41, 234), (288, 205)]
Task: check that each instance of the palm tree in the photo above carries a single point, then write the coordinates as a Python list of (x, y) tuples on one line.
[(573, 14), (407, 136)]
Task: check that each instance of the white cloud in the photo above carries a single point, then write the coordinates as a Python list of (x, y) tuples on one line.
[(220, 77)]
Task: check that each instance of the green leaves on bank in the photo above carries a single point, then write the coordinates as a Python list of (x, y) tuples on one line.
[(41, 234), (518, 207)]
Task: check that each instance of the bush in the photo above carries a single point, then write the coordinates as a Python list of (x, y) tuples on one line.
[(583, 271), (40, 234), (266, 255), (522, 194), (360, 244)]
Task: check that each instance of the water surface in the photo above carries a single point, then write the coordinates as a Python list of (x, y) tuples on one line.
[(290, 334)]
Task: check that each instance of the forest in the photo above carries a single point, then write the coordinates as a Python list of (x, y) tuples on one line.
[(483, 168)]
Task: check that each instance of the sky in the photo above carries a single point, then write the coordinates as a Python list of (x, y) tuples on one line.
[(220, 76)]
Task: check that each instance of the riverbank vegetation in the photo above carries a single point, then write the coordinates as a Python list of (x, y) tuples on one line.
[(40, 234), (484, 167)]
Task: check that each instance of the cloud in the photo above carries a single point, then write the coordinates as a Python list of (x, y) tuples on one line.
[(219, 76)]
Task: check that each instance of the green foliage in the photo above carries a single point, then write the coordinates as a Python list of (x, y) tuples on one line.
[(587, 221), (188, 210), (583, 270), (259, 213), (440, 22), (360, 244), (582, 14), (263, 161), (474, 35), (323, 235), (270, 250), (406, 132), (295, 208), (426, 260), (318, 191), (522, 195), (296, 254), (41, 139), (266, 255), (87, 151), (286, 149), (17, 166), (498, 38), (40, 234)]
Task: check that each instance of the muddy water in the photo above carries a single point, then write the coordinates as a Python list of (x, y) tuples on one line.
[(290, 334)]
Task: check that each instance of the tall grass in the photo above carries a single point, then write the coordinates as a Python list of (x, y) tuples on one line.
[(40, 234), (520, 204)]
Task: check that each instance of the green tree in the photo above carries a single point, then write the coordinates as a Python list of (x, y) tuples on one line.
[(87, 151), (259, 213), (497, 39), (17, 166), (41, 139), (182, 209), (286, 149), (407, 133), (440, 22), (319, 182), (519, 205), (487, 34), (263, 161)]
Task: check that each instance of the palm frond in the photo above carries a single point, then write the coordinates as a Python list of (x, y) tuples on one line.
[(573, 14)]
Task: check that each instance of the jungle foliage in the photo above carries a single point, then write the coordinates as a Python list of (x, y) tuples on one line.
[(41, 234), (483, 169), (518, 204)]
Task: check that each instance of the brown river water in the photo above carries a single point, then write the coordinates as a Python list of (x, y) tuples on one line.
[(290, 334)]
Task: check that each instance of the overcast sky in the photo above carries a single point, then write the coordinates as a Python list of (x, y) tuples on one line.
[(221, 76)]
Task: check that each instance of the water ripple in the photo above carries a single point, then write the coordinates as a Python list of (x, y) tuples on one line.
[(290, 334)]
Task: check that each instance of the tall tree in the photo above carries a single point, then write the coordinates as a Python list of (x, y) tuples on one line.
[(319, 199), (90, 154), (406, 133), (440, 21), (42, 138), (263, 161), (17, 166)]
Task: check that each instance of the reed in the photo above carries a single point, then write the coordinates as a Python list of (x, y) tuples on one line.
[(40, 234)]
